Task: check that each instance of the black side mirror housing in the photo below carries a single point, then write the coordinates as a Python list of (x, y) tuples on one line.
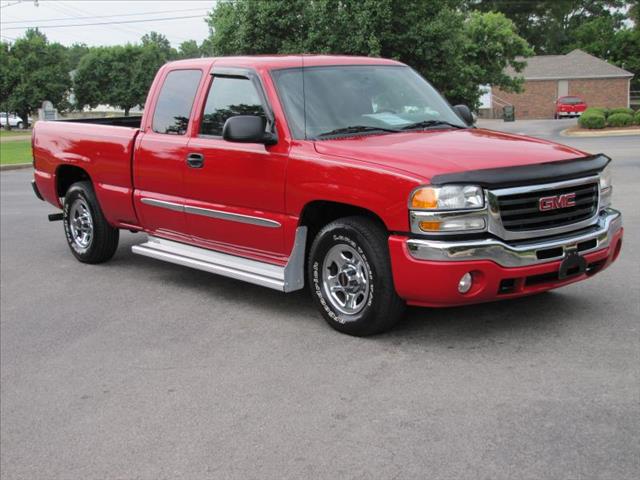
[(464, 113), (247, 129)]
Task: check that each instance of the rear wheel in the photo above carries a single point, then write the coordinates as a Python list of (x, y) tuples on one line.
[(89, 235), (350, 277)]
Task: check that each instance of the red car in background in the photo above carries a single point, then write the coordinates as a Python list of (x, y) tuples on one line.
[(570, 106)]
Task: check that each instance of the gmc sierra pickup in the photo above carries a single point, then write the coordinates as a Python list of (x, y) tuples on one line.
[(351, 175)]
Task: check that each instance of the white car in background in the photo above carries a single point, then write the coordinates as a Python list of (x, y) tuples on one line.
[(14, 121)]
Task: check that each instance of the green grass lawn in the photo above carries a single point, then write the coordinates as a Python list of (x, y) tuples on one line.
[(14, 133), (15, 152)]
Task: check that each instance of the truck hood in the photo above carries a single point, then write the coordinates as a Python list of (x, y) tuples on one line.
[(435, 152)]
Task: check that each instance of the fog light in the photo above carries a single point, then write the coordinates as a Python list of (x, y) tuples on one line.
[(464, 285)]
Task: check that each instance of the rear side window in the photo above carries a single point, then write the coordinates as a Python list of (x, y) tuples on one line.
[(175, 102), (229, 97)]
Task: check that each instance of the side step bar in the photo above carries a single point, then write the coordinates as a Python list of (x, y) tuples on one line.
[(285, 279)]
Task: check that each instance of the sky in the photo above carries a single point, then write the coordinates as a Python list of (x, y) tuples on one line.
[(50, 16)]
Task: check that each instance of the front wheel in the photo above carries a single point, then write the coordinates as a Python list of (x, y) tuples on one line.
[(350, 276), (19, 126), (89, 235)]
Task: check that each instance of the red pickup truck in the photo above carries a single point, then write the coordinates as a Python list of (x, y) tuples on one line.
[(351, 175)]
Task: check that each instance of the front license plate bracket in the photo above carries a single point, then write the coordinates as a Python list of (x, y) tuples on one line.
[(572, 265)]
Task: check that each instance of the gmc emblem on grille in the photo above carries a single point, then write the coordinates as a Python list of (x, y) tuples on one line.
[(557, 201)]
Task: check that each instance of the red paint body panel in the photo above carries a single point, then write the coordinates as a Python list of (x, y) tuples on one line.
[(103, 152), (435, 284), (435, 152), (374, 172)]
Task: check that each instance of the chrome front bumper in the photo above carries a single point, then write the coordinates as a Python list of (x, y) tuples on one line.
[(523, 254)]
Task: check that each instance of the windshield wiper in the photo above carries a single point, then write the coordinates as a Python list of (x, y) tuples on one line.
[(430, 123), (355, 129)]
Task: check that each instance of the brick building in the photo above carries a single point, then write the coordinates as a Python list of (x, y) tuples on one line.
[(548, 77)]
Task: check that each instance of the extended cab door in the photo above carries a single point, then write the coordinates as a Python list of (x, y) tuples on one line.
[(161, 155), (235, 197)]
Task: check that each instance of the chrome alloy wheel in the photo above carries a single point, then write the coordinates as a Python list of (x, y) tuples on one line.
[(80, 224), (345, 279)]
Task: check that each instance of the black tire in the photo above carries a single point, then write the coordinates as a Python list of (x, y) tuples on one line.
[(19, 125), (82, 214), (380, 307)]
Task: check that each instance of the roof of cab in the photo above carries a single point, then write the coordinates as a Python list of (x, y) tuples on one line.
[(272, 62)]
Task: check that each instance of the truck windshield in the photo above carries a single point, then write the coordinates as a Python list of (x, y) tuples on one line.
[(360, 100)]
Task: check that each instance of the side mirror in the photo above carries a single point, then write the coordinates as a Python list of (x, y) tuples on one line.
[(464, 113), (247, 129)]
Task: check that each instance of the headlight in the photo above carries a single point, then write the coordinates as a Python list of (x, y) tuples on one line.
[(606, 187), (448, 209), (448, 197)]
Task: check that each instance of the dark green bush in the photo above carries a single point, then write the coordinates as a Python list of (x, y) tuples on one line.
[(636, 118), (613, 111), (592, 120), (620, 120), (598, 110)]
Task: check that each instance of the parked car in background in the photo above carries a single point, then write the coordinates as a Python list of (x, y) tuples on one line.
[(14, 121), (570, 106)]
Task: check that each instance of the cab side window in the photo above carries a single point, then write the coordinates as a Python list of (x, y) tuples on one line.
[(229, 97), (175, 101)]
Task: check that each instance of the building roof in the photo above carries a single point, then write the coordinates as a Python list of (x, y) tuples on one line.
[(575, 64)]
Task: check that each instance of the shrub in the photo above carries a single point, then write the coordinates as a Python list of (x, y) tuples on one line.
[(613, 111), (620, 120), (636, 118), (598, 110), (592, 120)]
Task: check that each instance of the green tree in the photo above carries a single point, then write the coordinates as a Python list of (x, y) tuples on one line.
[(39, 71), (189, 49), (75, 53), (160, 44), (436, 38), (8, 77), (90, 78), (120, 76), (549, 25)]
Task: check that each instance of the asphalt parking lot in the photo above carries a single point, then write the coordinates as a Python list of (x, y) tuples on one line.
[(137, 369)]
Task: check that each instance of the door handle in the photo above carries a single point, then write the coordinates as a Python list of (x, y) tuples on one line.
[(195, 160)]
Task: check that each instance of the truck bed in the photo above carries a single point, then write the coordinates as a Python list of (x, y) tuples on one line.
[(104, 151)]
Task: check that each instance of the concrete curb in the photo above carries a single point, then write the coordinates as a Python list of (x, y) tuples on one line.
[(15, 166), (596, 133)]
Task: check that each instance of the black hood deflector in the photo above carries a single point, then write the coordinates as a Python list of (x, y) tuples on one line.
[(521, 175)]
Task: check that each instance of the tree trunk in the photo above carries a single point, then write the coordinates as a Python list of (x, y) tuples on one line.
[(6, 125), (126, 111)]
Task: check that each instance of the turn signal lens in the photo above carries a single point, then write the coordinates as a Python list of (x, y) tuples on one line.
[(453, 224), (429, 226), (425, 198)]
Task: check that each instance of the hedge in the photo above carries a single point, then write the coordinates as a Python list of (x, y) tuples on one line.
[(620, 120), (592, 120), (636, 118), (597, 110), (613, 111)]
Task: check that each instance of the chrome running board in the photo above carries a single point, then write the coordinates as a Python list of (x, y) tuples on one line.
[(285, 279)]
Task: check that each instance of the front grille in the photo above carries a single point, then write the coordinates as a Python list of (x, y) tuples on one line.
[(521, 212)]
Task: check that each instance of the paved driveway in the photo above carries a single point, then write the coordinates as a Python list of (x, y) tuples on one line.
[(142, 370)]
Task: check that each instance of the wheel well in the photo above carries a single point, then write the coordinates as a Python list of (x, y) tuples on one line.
[(66, 176), (317, 214)]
